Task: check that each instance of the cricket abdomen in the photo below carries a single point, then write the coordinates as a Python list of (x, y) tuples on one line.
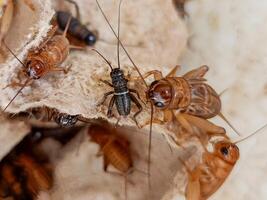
[(123, 103), (118, 156)]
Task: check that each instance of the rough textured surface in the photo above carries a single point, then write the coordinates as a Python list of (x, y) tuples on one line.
[(157, 41)]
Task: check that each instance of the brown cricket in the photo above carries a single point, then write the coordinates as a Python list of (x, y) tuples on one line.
[(209, 175), (114, 148), (45, 59), (22, 177), (189, 94), (25, 171), (47, 114)]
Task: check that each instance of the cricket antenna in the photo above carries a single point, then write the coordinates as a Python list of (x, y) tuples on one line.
[(14, 54), (78, 15), (252, 134), (118, 41), (128, 55), (23, 86), (125, 186), (67, 27), (26, 82), (226, 120), (103, 58), (149, 148)]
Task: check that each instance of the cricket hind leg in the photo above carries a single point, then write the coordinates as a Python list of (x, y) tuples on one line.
[(193, 190), (50, 34), (168, 117), (105, 97), (137, 94), (65, 70), (154, 121), (173, 72), (156, 73), (139, 106), (203, 124), (110, 107), (204, 130), (197, 73)]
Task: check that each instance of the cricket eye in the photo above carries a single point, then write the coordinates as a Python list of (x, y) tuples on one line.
[(159, 104), (224, 151)]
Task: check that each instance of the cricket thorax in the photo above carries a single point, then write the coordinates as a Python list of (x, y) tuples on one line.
[(171, 93), (118, 80)]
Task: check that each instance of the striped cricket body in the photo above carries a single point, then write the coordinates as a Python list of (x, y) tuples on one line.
[(122, 95), (121, 92)]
